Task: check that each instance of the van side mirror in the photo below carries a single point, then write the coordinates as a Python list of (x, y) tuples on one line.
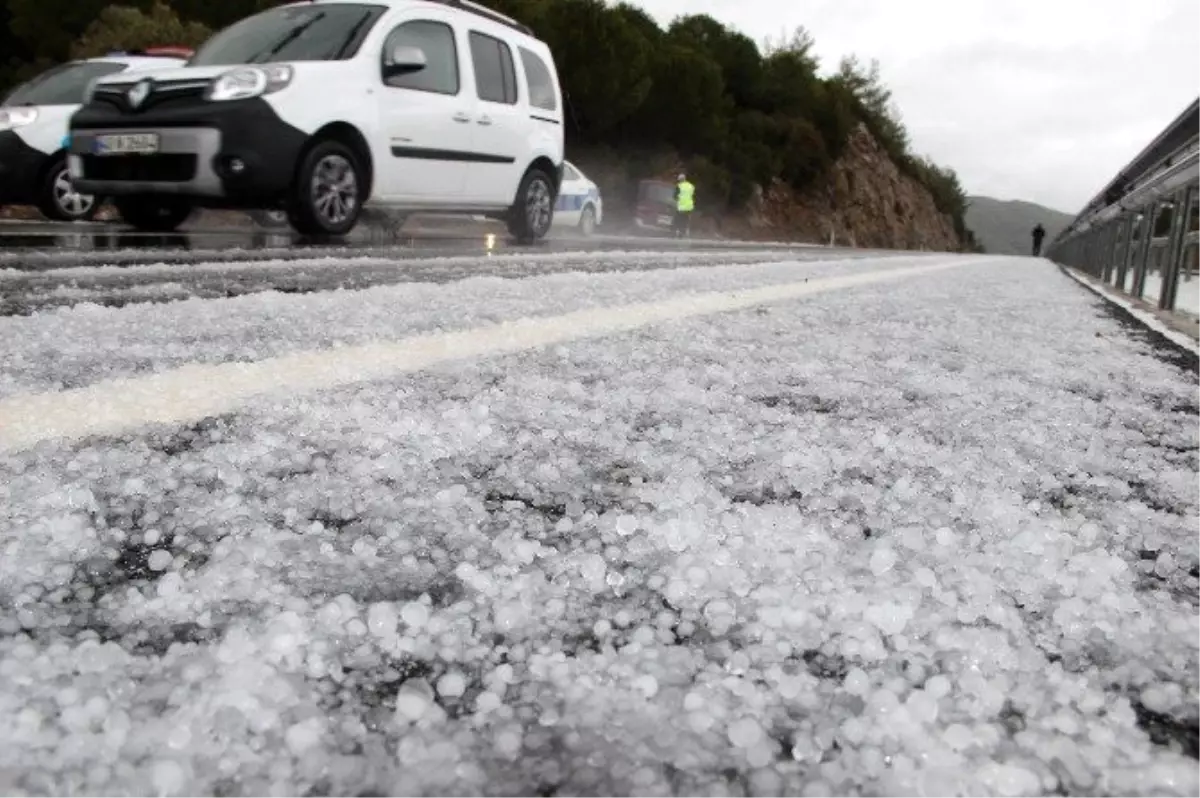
[(404, 60)]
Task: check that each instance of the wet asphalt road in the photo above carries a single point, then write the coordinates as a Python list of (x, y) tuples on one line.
[(45, 266), (35, 246)]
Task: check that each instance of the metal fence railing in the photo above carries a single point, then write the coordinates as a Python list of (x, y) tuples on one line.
[(1145, 239)]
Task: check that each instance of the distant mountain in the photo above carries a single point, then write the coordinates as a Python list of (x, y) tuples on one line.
[(1003, 227)]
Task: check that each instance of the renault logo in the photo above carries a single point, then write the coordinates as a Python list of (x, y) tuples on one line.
[(138, 94)]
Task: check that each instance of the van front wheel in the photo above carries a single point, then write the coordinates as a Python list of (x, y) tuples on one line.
[(327, 197), (530, 216)]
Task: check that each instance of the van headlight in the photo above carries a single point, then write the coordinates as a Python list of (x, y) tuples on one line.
[(246, 82), (11, 118)]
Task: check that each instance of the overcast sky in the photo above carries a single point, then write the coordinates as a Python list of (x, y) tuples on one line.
[(1040, 100)]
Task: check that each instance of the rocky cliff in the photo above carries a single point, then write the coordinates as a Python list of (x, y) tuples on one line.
[(864, 201)]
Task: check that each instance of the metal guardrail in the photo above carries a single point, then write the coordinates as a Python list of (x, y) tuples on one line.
[(1141, 234)]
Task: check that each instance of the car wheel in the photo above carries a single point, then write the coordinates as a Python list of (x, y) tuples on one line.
[(587, 222), (154, 214), (328, 193), (531, 215), (59, 201)]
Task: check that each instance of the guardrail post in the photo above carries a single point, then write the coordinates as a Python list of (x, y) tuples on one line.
[(1110, 250), (1103, 250), (1118, 266), (1139, 271), (1129, 271), (1184, 199)]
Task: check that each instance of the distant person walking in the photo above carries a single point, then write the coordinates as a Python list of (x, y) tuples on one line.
[(685, 203), (1039, 233)]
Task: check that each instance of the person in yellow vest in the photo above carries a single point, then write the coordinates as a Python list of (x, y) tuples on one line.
[(685, 203)]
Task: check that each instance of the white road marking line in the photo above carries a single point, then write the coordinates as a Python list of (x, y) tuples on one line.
[(195, 391)]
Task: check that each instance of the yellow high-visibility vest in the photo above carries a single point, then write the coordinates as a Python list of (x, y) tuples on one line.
[(687, 197)]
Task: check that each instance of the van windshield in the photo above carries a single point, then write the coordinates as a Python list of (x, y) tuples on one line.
[(63, 85), (326, 32)]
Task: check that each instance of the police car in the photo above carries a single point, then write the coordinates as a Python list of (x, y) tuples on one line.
[(33, 131), (579, 205), (318, 108)]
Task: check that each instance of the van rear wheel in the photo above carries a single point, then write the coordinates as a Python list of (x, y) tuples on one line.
[(530, 216), (327, 197)]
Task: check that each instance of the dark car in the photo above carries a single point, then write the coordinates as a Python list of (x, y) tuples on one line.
[(655, 205)]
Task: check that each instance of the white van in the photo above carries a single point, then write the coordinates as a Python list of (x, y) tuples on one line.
[(318, 107), (33, 131)]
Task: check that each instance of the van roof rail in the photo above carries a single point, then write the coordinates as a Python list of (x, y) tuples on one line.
[(487, 13)]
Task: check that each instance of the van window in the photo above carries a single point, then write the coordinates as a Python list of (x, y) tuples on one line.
[(436, 40), (495, 75), (541, 85)]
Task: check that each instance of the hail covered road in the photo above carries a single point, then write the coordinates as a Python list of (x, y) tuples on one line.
[(600, 518)]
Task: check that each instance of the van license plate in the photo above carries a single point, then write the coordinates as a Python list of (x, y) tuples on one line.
[(665, 220), (126, 144)]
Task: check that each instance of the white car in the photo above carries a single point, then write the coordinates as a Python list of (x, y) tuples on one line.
[(579, 205), (319, 107), (33, 133)]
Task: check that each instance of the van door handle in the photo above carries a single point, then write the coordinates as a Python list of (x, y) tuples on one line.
[(485, 120), (461, 118)]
